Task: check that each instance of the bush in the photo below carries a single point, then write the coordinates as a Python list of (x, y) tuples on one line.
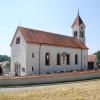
[(48, 72), (71, 70), (55, 71), (4, 58), (62, 71), (1, 72), (77, 70)]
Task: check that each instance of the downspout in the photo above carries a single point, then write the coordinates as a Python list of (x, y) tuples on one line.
[(39, 57), (81, 59)]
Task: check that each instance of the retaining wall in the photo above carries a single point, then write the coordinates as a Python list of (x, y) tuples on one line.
[(40, 79)]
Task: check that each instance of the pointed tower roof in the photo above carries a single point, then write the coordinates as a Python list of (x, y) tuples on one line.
[(78, 20)]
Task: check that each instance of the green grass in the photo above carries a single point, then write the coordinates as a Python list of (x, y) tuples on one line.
[(86, 90)]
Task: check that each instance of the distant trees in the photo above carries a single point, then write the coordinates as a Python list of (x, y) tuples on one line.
[(5, 67), (5, 58), (1, 72), (98, 57)]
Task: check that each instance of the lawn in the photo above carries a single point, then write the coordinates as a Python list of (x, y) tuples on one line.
[(82, 90)]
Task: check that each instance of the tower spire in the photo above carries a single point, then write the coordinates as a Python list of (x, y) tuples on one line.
[(78, 12), (78, 28)]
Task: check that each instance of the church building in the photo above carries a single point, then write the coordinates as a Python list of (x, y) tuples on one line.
[(39, 52)]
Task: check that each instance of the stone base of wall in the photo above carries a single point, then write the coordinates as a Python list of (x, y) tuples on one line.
[(52, 78)]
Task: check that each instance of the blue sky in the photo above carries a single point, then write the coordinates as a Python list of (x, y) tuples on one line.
[(49, 15)]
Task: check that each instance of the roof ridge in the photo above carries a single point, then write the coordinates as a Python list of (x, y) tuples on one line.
[(39, 36), (47, 32)]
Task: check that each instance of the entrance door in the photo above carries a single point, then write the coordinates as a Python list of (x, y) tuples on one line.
[(90, 65), (17, 69)]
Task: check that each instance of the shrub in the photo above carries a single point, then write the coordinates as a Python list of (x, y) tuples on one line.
[(77, 70), (62, 71), (55, 71), (1, 72), (48, 72), (71, 71)]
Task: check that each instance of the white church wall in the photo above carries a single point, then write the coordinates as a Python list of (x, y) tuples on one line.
[(22, 53), (53, 50), (79, 29), (18, 54), (75, 28), (32, 61), (85, 59)]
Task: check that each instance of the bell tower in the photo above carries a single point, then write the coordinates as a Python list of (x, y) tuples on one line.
[(78, 29)]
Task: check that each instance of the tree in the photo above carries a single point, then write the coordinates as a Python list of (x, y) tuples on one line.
[(4, 58), (1, 72), (6, 67), (98, 56)]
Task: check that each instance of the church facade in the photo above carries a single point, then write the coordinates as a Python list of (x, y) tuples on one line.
[(39, 52)]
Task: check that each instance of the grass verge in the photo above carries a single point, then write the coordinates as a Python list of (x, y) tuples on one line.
[(82, 90)]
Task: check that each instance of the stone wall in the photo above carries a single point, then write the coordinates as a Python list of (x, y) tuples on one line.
[(52, 78)]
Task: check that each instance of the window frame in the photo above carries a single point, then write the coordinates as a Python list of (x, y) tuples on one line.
[(32, 68), (81, 34), (47, 58), (75, 33), (58, 59), (32, 55), (18, 40), (68, 59), (23, 69), (76, 59)]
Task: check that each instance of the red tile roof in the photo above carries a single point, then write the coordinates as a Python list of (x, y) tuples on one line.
[(91, 58), (78, 21), (42, 37)]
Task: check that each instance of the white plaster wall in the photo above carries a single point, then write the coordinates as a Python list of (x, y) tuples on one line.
[(84, 59), (95, 63), (75, 28), (32, 62), (53, 50), (53, 57), (18, 54), (78, 29)]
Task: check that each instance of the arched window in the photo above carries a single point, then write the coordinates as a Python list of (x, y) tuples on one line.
[(32, 68), (75, 33), (76, 59), (67, 59), (58, 59), (32, 55), (47, 59), (18, 40), (81, 27), (81, 34), (17, 68)]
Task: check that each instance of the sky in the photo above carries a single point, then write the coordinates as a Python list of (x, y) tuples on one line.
[(49, 15)]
